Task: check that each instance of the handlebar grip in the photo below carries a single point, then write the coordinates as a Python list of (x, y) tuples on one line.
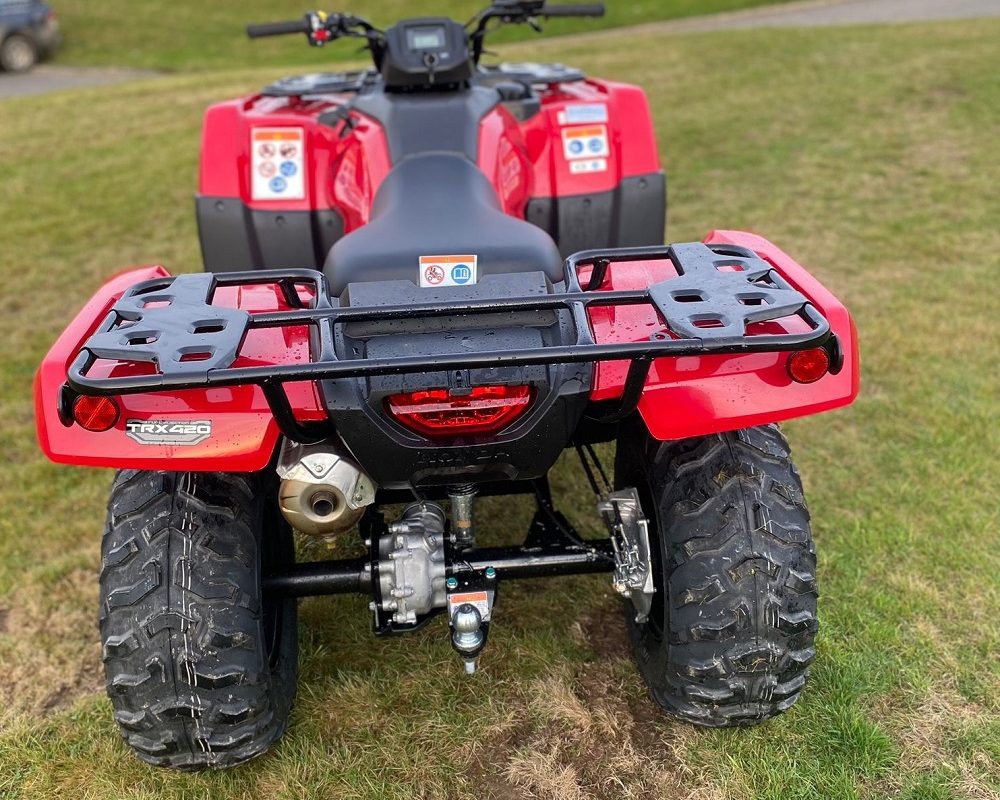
[(574, 10), (279, 28)]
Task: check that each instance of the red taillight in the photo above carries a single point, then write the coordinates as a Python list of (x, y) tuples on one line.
[(96, 413), (440, 412), (808, 366)]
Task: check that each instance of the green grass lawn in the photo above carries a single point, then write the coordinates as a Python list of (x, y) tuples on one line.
[(871, 154), (187, 34)]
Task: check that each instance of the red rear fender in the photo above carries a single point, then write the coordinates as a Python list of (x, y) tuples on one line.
[(697, 396), (243, 431)]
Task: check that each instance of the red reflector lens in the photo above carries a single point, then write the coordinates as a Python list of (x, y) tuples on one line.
[(439, 413), (808, 366), (96, 413)]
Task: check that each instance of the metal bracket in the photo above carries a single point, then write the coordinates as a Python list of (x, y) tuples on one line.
[(633, 575)]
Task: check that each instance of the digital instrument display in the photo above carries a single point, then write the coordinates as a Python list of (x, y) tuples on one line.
[(426, 38)]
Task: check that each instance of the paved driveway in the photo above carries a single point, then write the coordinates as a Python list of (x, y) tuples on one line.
[(50, 78), (839, 12)]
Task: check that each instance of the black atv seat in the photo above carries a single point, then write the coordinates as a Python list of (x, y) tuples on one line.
[(438, 204)]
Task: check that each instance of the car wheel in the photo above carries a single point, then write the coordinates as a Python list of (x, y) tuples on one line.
[(17, 54)]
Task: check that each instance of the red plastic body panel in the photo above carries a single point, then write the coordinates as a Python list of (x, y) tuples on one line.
[(345, 168), (631, 138), (244, 433), (697, 396), (342, 173), (683, 397)]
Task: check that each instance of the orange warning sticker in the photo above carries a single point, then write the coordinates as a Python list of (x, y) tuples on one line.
[(590, 142), (469, 597), (278, 164), (438, 271), (479, 600)]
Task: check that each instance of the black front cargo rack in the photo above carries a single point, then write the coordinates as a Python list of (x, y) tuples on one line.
[(171, 323)]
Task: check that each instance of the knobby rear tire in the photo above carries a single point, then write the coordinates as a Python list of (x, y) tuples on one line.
[(200, 668), (732, 633)]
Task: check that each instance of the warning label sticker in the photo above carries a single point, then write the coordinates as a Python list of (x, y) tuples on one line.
[(480, 600), (588, 165), (583, 113), (590, 142), (278, 164), (448, 271)]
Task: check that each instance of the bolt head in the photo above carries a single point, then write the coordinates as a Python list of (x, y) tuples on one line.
[(491, 573), (452, 583)]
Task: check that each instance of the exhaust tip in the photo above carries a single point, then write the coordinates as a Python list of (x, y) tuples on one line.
[(324, 505)]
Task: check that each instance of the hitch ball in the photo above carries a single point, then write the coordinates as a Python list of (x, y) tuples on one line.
[(468, 637)]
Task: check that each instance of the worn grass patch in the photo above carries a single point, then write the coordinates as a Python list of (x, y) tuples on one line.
[(870, 154)]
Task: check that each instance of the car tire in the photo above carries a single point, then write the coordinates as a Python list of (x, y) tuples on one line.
[(18, 54), (200, 666), (731, 635)]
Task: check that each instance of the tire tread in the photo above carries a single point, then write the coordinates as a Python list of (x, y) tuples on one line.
[(739, 570), (182, 624)]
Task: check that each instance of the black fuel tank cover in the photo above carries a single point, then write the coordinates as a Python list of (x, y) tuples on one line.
[(529, 73), (322, 83)]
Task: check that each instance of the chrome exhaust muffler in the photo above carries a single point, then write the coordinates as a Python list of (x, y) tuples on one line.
[(323, 492)]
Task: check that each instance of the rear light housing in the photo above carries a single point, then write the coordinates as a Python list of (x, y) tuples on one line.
[(96, 414), (445, 414), (808, 366)]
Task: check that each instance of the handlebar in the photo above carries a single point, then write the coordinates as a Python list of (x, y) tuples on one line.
[(573, 10), (279, 28), (322, 28)]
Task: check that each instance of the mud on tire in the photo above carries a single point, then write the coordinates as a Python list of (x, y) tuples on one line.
[(733, 626), (200, 668)]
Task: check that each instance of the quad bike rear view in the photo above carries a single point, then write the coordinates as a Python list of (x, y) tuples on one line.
[(424, 282)]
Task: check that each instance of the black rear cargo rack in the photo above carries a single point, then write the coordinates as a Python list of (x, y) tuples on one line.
[(170, 322)]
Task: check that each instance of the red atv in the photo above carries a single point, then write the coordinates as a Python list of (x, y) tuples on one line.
[(425, 282)]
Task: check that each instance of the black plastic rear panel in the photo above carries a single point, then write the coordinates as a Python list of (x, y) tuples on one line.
[(396, 457)]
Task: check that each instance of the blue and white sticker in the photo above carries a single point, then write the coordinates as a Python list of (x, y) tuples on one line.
[(584, 114), (277, 164), (436, 271), (590, 142)]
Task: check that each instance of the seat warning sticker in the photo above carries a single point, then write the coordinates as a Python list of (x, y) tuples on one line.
[(448, 271), (589, 142), (278, 164)]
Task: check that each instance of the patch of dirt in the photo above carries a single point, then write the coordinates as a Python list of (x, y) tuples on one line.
[(589, 732), (604, 632), (50, 646)]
